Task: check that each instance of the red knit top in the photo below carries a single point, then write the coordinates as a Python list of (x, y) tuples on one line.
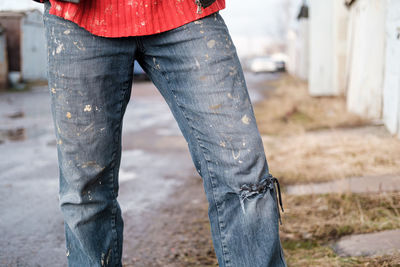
[(119, 18)]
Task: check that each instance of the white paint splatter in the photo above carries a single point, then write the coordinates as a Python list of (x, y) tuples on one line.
[(197, 63), (59, 48), (235, 156), (87, 108), (211, 43), (80, 46), (245, 119), (156, 65)]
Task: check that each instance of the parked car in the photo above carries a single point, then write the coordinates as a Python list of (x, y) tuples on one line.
[(263, 64), (275, 62), (280, 59)]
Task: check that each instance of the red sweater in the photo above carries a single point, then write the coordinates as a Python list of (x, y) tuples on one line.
[(119, 18)]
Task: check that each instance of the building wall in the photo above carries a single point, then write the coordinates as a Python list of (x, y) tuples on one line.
[(291, 51), (340, 30), (33, 49), (328, 34), (3, 60), (321, 47), (303, 49), (11, 21), (298, 50), (366, 48), (391, 92)]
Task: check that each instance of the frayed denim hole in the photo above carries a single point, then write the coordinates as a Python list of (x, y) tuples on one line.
[(254, 191)]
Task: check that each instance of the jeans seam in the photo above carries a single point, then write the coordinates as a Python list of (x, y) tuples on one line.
[(275, 198), (220, 223), (117, 131), (281, 254)]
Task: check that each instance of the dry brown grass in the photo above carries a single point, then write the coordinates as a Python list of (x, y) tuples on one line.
[(289, 109), (332, 154), (323, 256), (322, 218), (309, 139), (310, 223)]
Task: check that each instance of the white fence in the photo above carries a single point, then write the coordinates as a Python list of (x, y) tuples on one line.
[(356, 51), (391, 92), (366, 58), (328, 20), (298, 50)]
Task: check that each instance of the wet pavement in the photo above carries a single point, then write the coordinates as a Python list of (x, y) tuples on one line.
[(155, 162)]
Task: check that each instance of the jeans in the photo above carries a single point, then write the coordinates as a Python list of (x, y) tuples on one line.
[(196, 69)]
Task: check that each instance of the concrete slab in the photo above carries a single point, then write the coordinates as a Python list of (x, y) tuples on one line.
[(366, 184), (373, 244)]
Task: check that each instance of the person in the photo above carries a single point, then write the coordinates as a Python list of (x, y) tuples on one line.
[(185, 48)]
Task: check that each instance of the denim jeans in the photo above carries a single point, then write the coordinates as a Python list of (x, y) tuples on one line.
[(196, 69)]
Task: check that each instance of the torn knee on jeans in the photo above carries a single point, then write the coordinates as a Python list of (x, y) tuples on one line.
[(248, 191), (105, 258)]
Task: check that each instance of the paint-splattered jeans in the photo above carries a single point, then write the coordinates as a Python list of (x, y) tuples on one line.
[(197, 71)]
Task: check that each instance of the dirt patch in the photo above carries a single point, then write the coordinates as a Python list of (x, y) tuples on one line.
[(178, 234)]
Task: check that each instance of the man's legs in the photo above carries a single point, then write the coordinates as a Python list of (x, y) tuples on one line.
[(90, 82), (196, 69)]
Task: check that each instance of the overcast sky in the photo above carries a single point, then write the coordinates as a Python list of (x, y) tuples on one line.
[(19, 5), (255, 17)]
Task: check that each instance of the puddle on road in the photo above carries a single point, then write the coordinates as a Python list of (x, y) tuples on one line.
[(16, 115), (17, 134)]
